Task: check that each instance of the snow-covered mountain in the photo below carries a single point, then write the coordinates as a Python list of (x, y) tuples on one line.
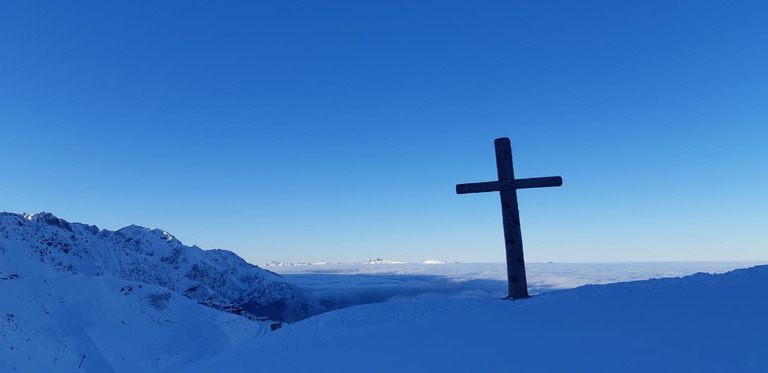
[(433, 261), (76, 298), (43, 245)]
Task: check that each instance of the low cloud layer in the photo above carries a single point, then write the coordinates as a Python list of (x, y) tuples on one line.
[(332, 287)]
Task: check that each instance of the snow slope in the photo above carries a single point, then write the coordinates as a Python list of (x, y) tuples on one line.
[(701, 323), (61, 322)]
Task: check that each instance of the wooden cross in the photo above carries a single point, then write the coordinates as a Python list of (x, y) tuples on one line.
[(507, 187)]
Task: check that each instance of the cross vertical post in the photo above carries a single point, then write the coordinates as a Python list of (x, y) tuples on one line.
[(510, 215), (507, 187)]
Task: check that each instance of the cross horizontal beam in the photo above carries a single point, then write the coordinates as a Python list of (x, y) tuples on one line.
[(496, 186)]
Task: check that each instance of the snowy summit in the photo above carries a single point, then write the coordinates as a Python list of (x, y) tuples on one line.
[(432, 261)]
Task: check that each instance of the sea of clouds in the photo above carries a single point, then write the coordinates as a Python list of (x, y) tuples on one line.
[(334, 286)]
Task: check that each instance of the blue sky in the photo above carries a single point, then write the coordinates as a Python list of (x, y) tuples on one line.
[(309, 131)]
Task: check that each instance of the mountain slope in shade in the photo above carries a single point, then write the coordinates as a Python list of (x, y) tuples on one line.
[(44, 245)]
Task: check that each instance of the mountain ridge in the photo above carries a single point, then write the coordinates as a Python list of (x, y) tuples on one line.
[(43, 244)]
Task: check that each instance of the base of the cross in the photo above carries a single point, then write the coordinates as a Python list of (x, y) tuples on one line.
[(509, 297)]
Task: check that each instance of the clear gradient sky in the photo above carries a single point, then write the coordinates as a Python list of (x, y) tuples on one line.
[(337, 130)]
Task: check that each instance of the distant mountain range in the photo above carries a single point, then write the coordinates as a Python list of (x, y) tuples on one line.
[(43, 245), (367, 261)]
